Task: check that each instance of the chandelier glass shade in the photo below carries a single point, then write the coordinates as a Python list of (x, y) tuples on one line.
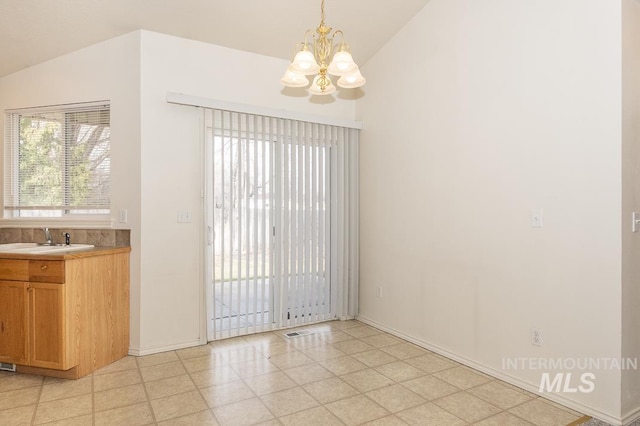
[(315, 58)]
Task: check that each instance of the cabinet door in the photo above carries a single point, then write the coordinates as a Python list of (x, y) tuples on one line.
[(46, 323), (13, 322)]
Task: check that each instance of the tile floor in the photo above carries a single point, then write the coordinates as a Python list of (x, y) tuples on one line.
[(346, 373)]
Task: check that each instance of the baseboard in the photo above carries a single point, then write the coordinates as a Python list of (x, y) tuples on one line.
[(530, 387), (157, 349), (632, 416)]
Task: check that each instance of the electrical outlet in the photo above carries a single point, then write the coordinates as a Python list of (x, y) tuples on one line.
[(536, 336)]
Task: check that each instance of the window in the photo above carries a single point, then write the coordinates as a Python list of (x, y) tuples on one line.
[(57, 161)]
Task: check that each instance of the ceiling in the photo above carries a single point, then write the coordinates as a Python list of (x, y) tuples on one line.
[(33, 31)]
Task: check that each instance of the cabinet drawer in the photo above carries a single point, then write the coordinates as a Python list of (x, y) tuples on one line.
[(14, 270), (46, 271)]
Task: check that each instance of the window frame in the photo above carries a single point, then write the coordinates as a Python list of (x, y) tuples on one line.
[(11, 214)]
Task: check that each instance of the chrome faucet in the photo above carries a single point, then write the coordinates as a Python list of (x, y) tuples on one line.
[(47, 236)]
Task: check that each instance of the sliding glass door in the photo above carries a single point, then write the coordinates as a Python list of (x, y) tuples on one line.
[(268, 221)]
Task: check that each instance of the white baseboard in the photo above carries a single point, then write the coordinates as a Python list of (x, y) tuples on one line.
[(631, 416), (157, 349), (530, 387)]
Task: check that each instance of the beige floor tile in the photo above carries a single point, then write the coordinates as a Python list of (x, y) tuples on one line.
[(132, 415), (126, 363), (162, 371), (63, 409), (504, 419), (257, 367), (269, 383), (243, 354), (395, 398), (116, 380), (404, 350), (173, 406), (273, 422), (343, 365), (374, 358), (381, 340), (204, 362), (429, 414), (119, 397), (19, 416), (352, 346), (227, 393), (322, 353), (86, 420), (499, 395), (226, 345), (307, 342), (462, 377), (157, 359), (60, 388), (243, 413), (367, 380), (202, 418), (171, 386), (15, 381), (19, 398), (329, 390), (216, 376), (318, 416), (308, 373), (267, 337), (540, 413), (356, 410), (387, 421), (399, 371), (468, 407), (271, 349), (362, 331), (343, 325), (194, 352), (430, 387), (336, 336), (288, 401), (290, 360), (430, 363)]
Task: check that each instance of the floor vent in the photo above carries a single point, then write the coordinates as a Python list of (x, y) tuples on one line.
[(7, 367), (297, 333)]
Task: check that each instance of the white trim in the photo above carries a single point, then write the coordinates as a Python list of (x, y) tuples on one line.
[(158, 349), (197, 101), (570, 403), (631, 416)]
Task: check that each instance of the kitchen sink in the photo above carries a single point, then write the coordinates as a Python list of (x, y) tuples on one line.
[(34, 248)]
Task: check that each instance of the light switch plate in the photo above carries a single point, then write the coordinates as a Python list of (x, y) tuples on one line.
[(122, 216), (536, 218), (635, 224)]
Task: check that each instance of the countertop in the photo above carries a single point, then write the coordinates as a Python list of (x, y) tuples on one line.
[(79, 254)]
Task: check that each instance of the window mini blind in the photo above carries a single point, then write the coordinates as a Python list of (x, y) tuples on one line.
[(57, 160)]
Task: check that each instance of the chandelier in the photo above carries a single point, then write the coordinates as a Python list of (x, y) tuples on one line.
[(313, 58)]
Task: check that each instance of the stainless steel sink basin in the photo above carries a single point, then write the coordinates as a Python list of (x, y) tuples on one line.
[(33, 248)]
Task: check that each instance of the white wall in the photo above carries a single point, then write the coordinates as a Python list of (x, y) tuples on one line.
[(171, 160), (630, 202), (156, 157), (108, 70), (476, 113)]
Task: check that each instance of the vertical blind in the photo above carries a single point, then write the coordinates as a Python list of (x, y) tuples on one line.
[(57, 160), (282, 210)]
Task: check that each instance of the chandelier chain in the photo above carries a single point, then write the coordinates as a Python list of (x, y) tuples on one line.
[(322, 13)]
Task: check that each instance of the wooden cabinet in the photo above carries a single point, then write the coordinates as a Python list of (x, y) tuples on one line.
[(13, 322), (65, 317)]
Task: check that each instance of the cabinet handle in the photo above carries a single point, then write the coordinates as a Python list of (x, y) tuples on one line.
[(43, 267), (1, 327)]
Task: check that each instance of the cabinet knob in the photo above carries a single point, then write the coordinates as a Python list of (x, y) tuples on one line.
[(43, 267)]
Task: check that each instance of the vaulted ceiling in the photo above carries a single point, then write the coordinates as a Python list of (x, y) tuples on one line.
[(33, 31)]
